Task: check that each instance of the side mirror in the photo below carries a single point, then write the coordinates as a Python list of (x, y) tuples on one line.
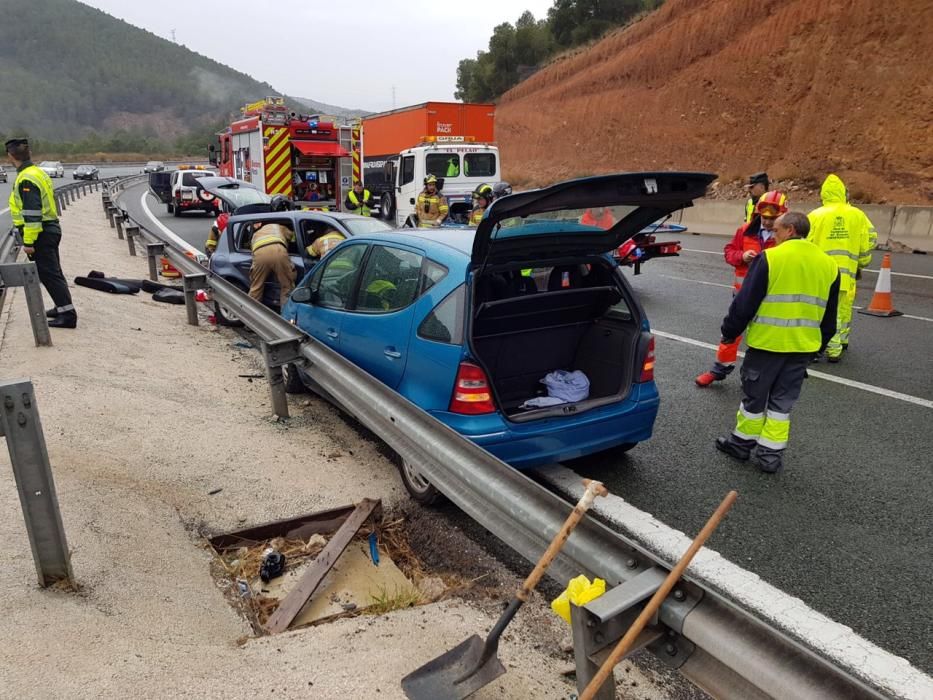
[(304, 295)]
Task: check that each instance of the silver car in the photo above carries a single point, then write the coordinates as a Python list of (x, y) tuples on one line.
[(53, 168)]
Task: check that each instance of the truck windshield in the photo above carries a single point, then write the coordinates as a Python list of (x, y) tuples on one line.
[(442, 164), (479, 164)]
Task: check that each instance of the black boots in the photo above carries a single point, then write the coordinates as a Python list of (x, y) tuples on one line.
[(69, 319)]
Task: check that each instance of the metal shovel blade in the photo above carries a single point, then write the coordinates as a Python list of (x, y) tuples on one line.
[(443, 678)]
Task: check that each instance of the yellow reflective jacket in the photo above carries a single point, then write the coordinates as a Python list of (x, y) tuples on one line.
[(32, 202), (842, 231)]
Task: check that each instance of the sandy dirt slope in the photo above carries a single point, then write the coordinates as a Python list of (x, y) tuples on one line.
[(734, 86), (144, 416)]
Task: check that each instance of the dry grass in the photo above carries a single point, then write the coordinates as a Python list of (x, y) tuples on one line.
[(385, 602)]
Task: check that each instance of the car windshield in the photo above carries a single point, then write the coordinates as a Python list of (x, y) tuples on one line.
[(47, 164), (361, 227), (153, 162), (241, 196)]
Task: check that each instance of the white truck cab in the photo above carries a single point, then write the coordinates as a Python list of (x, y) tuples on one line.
[(459, 168)]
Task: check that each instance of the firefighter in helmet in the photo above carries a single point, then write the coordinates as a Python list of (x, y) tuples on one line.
[(482, 198), (270, 257), (213, 238), (431, 207), (359, 200)]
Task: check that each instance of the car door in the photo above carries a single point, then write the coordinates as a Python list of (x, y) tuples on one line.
[(160, 184), (333, 284), (376, 333)]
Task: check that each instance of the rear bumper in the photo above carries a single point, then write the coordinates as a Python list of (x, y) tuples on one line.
[(549, 440)]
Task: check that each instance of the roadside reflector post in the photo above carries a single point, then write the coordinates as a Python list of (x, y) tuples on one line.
[(20, 425), (275, 354), (131, 233), (191, 284), (26, 275), (154, 251)]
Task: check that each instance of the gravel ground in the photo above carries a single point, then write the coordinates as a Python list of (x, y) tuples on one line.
[(144, 415)]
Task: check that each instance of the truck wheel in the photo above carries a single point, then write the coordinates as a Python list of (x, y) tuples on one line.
[(169, 208), (419, 488), (226, 317), (293, 383), (387, 206)]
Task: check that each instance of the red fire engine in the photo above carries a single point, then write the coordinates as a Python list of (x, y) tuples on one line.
[(298, 156)]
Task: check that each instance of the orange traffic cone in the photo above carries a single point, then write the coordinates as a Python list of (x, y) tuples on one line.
[(881, 304)]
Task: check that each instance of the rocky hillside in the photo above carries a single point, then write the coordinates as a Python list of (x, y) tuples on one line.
[(734, 86)]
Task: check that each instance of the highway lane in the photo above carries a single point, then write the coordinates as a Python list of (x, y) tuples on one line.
[(192, 227), (846, 526)]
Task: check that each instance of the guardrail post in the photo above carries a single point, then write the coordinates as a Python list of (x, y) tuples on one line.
[(131, 233), (20, 424), (112, 215), (26, 275), (154, 251), (62, 205), (105, 202), (118, 218), (191, 284), (273, 362), (586, 667)]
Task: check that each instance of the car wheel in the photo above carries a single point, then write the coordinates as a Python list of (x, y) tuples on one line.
[(293, 383), (418, 487), (226, 317), (176, 211), (387, 206)]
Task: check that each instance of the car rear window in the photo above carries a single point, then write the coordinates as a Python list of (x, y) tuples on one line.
[(445, 322)]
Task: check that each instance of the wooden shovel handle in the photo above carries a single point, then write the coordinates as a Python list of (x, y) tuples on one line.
[(593, 489), (622, 648)]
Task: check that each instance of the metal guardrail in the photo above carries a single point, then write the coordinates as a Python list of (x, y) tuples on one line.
[(725, 650)]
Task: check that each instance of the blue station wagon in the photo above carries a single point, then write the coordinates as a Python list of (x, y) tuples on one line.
[(468, 324)]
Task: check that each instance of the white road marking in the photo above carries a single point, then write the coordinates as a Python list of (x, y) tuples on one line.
[(4, 211), (916, 318), (167, 231), (907, 398), (896, 274), (687, 279)]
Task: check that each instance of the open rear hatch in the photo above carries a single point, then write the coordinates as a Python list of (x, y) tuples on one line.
[(547, 298), (238, 196), (160, 184)]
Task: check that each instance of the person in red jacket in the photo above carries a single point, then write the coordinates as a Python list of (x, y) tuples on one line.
[(600, 216), (747, 244)]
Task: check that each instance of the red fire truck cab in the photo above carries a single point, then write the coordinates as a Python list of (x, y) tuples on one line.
[(303, 158)]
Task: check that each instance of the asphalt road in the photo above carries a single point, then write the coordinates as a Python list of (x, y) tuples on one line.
[(847, 525), (192, 227)]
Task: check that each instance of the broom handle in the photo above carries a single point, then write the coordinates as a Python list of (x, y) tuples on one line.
[(622, 648), (593, 489)]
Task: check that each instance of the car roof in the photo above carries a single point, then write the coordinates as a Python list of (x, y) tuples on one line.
[(439, 242)]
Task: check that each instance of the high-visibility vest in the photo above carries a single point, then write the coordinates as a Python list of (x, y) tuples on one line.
[(453, 170), (271, 234), (31, 220), (749, 210), (847, 235), (476, 216), (799, 279), (362, 209)]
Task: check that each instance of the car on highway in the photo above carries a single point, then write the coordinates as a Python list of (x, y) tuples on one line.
[(52, 168), (154, 166), (178, 190), (248, 206), (3, 174), (86, 172), (522, 335)]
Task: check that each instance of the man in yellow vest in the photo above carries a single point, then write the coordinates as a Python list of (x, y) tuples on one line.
[(431, 207), (270, 257), (757, 185), (788, 304), (35, 215), (359, 200), (847, 235)]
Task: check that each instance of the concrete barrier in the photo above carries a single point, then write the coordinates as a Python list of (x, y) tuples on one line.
[(910, 225)]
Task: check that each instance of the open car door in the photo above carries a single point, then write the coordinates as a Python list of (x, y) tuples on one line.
[(160, 184)]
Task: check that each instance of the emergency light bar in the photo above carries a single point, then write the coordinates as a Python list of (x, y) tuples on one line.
[(448, 139)]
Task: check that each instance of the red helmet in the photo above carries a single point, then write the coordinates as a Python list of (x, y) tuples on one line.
[(773, 204)]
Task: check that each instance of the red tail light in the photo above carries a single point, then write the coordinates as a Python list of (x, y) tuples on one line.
[(471, 391), (647, 369)]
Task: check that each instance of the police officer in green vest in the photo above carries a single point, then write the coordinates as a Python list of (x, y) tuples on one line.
[(788, 304), (359, 200), (35, 214)]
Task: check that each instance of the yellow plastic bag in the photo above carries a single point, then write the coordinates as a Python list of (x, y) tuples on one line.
[(579, 592)]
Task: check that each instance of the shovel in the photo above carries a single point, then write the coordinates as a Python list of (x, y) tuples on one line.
[(473, 663)]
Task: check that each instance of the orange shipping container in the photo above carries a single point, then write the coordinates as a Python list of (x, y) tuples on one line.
[(389, 133)]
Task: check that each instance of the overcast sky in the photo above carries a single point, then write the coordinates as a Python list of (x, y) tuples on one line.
[(328, 52)]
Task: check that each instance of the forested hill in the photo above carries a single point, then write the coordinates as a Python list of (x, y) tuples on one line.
[(67, 70)]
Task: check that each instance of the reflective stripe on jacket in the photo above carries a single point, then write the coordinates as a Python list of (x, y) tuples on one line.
[(476, 216), (431, 207), (790, 315), (360, 207), (271, 234), (32, 202), (842, 231)]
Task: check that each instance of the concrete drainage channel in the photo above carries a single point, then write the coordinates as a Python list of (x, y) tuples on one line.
[(727, 635)]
